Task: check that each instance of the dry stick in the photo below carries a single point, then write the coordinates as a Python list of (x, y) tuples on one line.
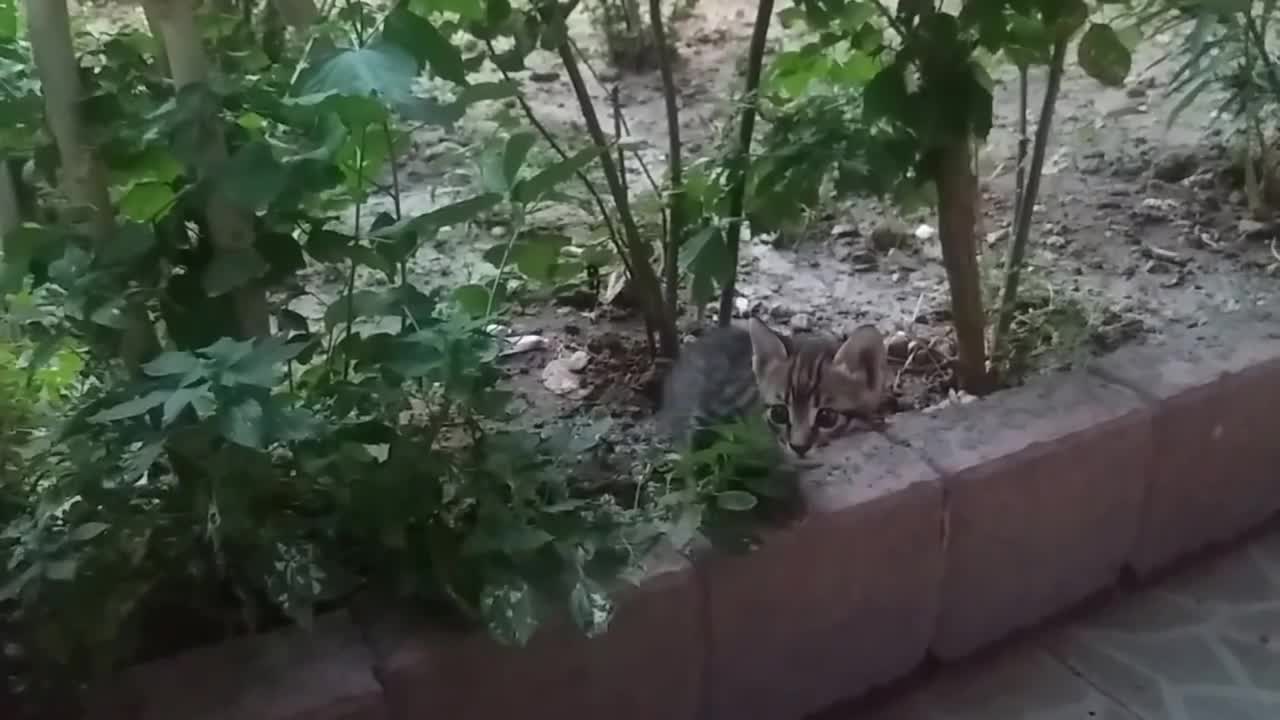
[(1260, 40), (641, 271), (626, 191), (675, 165), (1020, 186), (626, 128), (1022, 225), (737, 193), (564, 156)]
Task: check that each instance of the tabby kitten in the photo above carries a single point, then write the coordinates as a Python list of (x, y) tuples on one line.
[(810, 389)]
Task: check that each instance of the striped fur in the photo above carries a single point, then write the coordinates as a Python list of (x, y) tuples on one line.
[(809, 389)]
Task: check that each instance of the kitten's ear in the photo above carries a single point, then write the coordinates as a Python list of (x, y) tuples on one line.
[(767, 348), (863, 356)]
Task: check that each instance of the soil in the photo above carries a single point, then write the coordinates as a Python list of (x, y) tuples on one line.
[(1141, 228)]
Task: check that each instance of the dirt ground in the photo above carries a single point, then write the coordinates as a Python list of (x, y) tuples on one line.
[(1139, 229)]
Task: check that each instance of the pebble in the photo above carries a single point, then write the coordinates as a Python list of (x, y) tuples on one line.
[(801, 321)]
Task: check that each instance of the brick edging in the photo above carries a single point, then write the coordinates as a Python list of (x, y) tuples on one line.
[(936, 538)]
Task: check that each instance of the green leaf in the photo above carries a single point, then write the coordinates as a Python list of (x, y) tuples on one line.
[(467, 9), (535, 188), (231, 270), (474, 299), (381, 68), (132, 408), (242, 423), (508, 611), (417, 36), (145, 201), (8, 19), (261, 366), (171, 363), (61, 570), (87, 531), (453, 214), (590, 607), (1104, 56), (512, 539), (181, 398), (736, 500), (252, 178), (514, 154)]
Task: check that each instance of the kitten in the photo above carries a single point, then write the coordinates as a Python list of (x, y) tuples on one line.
[(810, 390)]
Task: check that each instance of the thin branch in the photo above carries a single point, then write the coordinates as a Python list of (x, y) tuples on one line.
[(642, 273), (742, 155), (582, 176), (675, 165), (1022, 226)]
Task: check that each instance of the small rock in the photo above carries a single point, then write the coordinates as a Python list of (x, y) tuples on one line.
[(741, 307), (1251, 229), (863, 260), (1175, 166), (932, 251), (801, 321), (887, 237), (524, 344), (1056, 241), (925, 231), (997, 236), (618, 290), (559, 377), (845, 231), (781, 312), (578, 361)]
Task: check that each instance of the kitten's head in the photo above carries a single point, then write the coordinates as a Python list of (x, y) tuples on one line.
[(813, 390)]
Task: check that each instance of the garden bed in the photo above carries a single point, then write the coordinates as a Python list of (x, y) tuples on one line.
[(937, 537), (1142, 263)]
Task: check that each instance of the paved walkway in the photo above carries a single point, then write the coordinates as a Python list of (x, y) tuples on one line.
[(1201, 645)]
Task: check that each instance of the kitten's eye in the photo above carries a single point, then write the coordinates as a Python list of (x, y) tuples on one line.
[(778, 414), (827, 418)]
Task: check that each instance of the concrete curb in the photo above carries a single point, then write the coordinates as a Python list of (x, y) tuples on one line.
[(938, 537)]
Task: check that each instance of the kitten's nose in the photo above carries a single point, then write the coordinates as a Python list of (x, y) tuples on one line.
[(800, 449)]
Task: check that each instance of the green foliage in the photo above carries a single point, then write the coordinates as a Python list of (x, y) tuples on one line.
[(918, 84), (1223, 47), (230, 484)]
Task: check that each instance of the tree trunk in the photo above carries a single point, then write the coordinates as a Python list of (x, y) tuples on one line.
[(83, 178), (10, 209), (230, 227), (957, 216)]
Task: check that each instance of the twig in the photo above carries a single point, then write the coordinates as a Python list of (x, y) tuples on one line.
[(642, 272), (564, 156), (626, 128), (741, 161), (1022, 225)]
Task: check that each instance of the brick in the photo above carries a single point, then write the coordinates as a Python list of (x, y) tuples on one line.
[(844, 600), (1215, 468), (1044, 487), (293, 674), (647, 665)]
